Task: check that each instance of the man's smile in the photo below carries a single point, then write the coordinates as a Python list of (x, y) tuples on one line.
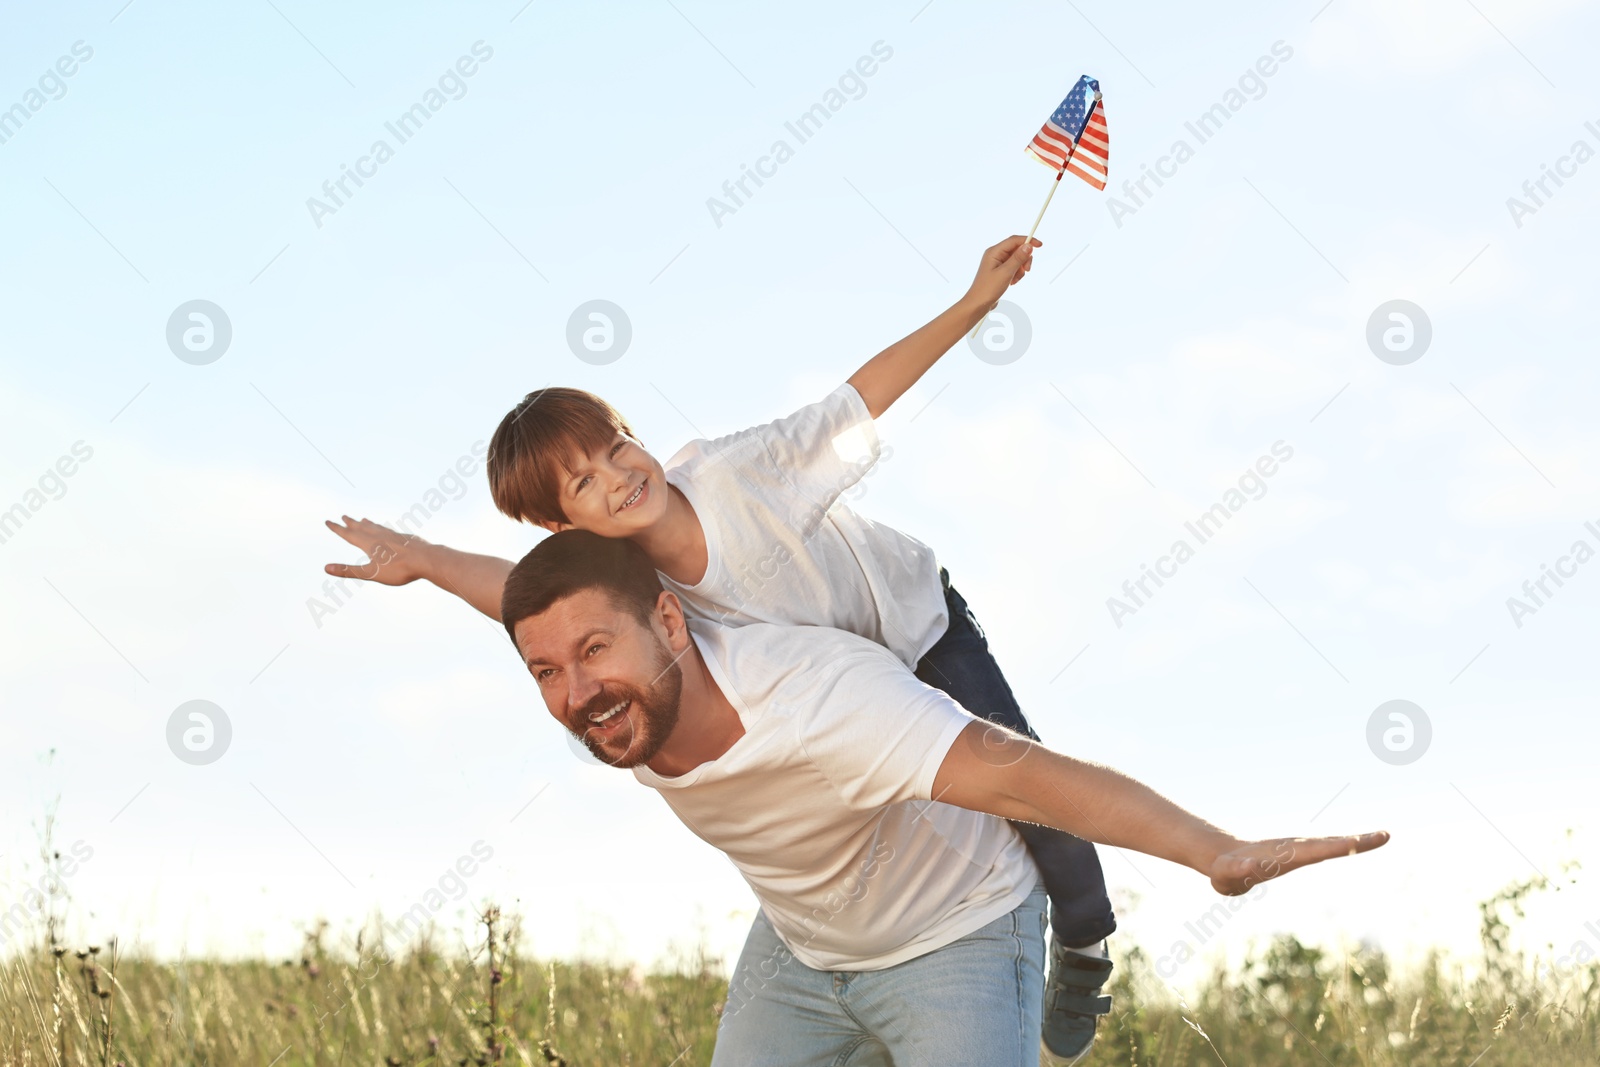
[(615, 709), (602, 725)]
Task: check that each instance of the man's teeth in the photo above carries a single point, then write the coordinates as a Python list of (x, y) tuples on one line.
[(607, 716), (628, 503)]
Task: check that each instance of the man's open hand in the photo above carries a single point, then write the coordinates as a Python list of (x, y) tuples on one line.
[(1253, 862), (393, 558), (1003, 266)]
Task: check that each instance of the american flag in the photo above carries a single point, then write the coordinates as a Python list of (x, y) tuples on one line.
[(1075, 136)]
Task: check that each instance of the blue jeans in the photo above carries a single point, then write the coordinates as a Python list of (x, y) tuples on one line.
[(960, 665), (976, 1002)]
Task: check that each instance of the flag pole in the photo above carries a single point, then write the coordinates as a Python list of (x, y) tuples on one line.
[(1053, 186)]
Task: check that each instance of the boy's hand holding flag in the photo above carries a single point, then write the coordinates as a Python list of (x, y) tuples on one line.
[(1074, 138)]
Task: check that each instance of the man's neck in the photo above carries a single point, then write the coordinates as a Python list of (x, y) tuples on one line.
[(708, 724)]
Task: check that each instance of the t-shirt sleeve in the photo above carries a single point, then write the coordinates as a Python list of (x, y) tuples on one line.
[(822, 449), (796, 466), (881, 734)]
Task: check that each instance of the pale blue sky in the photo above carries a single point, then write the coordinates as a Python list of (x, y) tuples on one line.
[(370, 354)]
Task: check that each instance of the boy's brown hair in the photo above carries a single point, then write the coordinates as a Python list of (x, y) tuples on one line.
[(534, 445)]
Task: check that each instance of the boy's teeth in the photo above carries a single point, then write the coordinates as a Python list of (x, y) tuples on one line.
[(635, 496)]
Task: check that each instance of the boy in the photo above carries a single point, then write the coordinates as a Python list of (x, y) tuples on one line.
[(748, 529)]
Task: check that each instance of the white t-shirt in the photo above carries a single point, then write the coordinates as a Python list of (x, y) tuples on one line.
[(824, 806), (783, 549)]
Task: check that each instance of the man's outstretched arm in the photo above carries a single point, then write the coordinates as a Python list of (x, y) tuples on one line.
[(992, 770), (396, 558)]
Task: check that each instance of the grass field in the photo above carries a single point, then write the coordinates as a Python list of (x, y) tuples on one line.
[(1289, 1004)]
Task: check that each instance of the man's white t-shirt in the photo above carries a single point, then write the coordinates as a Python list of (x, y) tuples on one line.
[(783, 549), (824, 803)]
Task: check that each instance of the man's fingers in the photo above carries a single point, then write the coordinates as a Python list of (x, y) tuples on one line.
[(1293, 853), (1262, 861), (351, 570), (1367, 842), (1327, 848)]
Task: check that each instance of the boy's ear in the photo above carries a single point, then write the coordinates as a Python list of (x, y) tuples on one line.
[(554, 526)]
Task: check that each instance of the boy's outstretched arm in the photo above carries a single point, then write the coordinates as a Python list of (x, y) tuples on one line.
[(396, 558), (885, 377), (992, 770)]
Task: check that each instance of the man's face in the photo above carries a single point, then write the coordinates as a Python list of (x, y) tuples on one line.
[(608, 678), (615, 491)]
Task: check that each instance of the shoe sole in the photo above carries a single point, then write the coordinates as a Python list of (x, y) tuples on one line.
[(1052, 1060)]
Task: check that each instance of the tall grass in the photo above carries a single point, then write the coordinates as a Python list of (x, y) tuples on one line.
[(365, 1003)]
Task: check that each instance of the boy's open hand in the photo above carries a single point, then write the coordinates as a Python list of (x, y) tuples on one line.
[(1253, 862), (394, 558), (1003, 266)]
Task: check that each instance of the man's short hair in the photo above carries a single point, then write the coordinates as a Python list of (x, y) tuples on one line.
[(571, 561), (532, 448)]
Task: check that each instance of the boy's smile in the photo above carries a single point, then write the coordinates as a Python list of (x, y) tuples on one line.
[(620, 490), (637, 496), (613, 491)]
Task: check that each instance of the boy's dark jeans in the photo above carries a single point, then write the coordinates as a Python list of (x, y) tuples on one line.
[(960, 665)]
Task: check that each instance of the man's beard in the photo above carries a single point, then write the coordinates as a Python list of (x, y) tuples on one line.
[(652, 713)]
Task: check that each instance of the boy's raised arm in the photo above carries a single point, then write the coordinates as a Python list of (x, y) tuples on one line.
[(992, 770), (396, 558), (885, 377)]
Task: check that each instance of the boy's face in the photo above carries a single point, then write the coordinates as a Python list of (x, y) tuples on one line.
[(616, 491)]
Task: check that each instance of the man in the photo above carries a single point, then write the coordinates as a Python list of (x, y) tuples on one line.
[(901, 916)]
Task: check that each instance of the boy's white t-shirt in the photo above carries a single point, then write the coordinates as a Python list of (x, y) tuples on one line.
[(824, 803), (783, 549)]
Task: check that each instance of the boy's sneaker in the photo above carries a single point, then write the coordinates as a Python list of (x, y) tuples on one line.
[(1072, 1002)]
